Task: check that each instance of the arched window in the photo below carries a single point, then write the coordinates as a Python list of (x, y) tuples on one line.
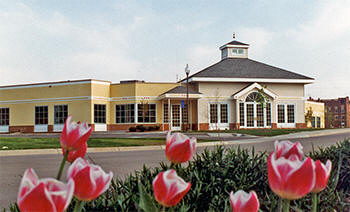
[(253, 97)]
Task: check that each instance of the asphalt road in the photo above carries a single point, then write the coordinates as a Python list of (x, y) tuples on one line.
[(120, 163)]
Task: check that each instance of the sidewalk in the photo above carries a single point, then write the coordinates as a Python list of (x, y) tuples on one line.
[(306, 134)]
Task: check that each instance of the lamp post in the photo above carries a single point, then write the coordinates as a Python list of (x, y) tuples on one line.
[(187, 71)]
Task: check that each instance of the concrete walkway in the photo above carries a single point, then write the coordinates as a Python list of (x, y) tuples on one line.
[(252, 140)]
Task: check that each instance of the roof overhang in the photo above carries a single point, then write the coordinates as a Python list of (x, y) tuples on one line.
[(251, 87), (264, 80), (180, 96), (234, 46)]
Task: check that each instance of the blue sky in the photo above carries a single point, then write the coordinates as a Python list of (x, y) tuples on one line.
[(153, 40)]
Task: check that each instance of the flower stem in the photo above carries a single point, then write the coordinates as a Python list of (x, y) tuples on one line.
[(286, 205), (78, 206), (314, 202), (280, 204), (62, 165), (172, 165)]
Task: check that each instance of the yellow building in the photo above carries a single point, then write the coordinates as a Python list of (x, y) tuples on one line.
[(316, 113), (223, 96)]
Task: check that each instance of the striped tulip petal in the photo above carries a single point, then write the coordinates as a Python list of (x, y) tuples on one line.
[(244, 202), (179, 148)]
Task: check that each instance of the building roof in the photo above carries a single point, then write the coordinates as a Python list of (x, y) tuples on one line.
[(246, 68), (234, 42), (181, 90), (54, 83)]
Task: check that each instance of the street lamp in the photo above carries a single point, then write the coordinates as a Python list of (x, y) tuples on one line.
[(187, 71)]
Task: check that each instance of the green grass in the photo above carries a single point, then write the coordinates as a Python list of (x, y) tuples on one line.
[(46, 143), (263, 132)]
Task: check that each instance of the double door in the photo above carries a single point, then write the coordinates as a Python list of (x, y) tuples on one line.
[(255, 115)]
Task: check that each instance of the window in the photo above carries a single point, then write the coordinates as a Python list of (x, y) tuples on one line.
[(241, 114), (99, 113), (146, 113), (336, 117), (313, 121), (343, 118), (318, 122), (125, 113), (60, 114), (237, 51), (4, 116), (166, 113), (280, 113), (253, 97), (342, 109), (184, 114), (41, 114), (290, 114), (336, 109), (223, 113), (329, 109), (213, 113), (268, 114)]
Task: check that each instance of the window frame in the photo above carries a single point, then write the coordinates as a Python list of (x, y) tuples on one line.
[(97, 116), (54, 113), (6, 120), (147, 116), (41, 118), (128, 116)]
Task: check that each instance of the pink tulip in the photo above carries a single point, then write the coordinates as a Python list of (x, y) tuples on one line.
[(169, 188), (74, 135), (322, 174), (287, 148), (244, 202), (43, 195), (179, 148), (291, 178), (73, 155), (90, 180)]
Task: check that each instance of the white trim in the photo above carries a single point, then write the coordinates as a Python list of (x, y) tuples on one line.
[(100, 127), (180, 96), (52, 84), (75, 98), (40, 127), (234, 46), (4, 128), (286, 124), (123, 98), (219, 125), (58, 127), (253, 86), (226, 79)]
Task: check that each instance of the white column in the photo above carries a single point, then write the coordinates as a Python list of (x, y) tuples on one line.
[(163, 113), (198, 114), (169, 116), (237, 113)]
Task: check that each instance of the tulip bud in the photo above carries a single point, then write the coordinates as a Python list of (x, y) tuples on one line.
[(244, 202), (169, 188), (90, 180), (43, 195), (290, 178), (322, 174), (287, 148), (179, 148), (73, 155), (74, 135)]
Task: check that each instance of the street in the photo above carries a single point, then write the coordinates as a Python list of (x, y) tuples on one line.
[(121, 163)]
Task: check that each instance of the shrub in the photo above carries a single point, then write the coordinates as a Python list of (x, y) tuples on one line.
[(214, 173), (132, 129), (140, 128)]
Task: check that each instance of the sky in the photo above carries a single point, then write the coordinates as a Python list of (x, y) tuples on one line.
[(53, 40)]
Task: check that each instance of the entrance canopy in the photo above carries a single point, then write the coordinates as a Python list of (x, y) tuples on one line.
[(180, 92), (249, 88)]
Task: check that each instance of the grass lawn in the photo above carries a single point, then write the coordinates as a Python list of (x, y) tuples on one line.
[(264, 132), (45, 143)]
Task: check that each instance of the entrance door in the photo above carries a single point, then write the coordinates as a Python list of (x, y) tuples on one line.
[(175, 117), (255, 115)]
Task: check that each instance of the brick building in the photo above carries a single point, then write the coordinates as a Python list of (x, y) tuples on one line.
[(337, 112)]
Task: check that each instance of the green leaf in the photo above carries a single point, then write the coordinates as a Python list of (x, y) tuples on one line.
[(146, 203)]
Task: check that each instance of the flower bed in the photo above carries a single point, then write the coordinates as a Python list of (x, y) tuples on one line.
[(214, 174)]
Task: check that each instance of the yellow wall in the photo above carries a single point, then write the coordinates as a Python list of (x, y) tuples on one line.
[(55, 91), (317, 111)]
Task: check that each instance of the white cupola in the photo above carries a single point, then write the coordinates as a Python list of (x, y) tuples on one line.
[(234, 49)]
